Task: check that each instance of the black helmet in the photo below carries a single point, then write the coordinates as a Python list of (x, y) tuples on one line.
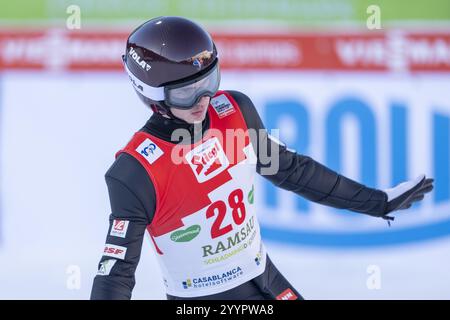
[(171, 62)]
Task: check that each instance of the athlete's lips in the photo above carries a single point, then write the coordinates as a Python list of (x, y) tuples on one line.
[(198, 112)]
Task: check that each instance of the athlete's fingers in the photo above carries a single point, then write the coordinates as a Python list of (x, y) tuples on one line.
[(426, 189), (418, 197)]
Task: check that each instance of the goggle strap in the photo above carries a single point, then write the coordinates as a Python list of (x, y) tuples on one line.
[(156, 94)]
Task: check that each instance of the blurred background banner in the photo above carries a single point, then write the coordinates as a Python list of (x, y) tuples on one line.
[(394, 50), (361, 86)]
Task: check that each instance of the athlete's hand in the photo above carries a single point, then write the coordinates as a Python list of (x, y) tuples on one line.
[(405, 194)]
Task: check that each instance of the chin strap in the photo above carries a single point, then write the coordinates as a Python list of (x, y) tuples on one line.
[(160, 110), (165, 112), (169, 116), (196, 130)]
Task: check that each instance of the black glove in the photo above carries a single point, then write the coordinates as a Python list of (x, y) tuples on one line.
[(405, 194)]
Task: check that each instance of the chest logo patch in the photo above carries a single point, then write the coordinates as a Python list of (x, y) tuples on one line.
[(149, 150), (207, 160), (222, 105)]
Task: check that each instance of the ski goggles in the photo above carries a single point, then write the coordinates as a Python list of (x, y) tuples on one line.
[(182, 95)]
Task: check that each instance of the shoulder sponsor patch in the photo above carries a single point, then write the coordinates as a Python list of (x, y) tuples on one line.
[(106, 267), (119, 228), (114, 251), (222, 105), (149, 150)]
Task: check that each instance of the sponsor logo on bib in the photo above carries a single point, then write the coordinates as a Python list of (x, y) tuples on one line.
[(207, 160), (185, 235), (213, 280)]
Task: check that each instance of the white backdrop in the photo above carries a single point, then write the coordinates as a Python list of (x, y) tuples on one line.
[(59, 133)]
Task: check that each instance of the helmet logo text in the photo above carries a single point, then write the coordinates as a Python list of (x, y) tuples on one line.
[(144, 65)]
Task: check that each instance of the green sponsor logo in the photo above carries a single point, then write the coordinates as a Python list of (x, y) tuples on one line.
[(186, 235), (250, 195)]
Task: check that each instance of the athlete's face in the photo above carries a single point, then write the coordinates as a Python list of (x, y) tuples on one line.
[(195, 114)]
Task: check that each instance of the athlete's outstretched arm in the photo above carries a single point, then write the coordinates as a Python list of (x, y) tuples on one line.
[(132, 201), (314, 181)]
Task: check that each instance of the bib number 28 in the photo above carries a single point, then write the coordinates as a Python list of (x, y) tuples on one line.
[(219, 209)]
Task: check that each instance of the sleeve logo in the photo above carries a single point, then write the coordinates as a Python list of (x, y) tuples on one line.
[(119, 228), (106, 267), (114, 251)]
